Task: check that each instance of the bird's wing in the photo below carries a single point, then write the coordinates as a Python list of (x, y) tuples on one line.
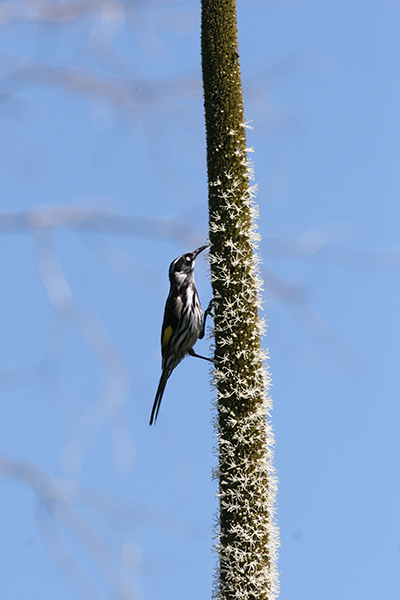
[(172, 315)]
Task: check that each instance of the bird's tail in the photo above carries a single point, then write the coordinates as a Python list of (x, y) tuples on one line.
[(160, 391)]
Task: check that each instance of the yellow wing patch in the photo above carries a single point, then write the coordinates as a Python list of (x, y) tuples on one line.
[(167, 336)]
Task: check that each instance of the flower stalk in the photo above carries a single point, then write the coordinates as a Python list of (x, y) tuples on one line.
[(247, 535)]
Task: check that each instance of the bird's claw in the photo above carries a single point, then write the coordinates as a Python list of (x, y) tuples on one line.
[(210, 307)]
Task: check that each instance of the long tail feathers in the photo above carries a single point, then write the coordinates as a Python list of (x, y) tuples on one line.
[(160, 391)]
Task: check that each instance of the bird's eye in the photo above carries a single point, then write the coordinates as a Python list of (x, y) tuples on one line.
[(188, 259)]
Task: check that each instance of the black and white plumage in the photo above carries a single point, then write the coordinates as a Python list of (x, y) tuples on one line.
[(183, 322)]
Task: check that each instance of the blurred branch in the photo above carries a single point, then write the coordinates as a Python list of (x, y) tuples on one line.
[(59, 498), (57, 514), (56, 12), (316, 245), (111, 406), (334, 256), (93, 220)]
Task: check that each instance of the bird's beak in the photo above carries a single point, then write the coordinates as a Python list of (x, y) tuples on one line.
[(196, 252)]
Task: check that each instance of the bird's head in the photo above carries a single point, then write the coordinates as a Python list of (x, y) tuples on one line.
[(184, 265)]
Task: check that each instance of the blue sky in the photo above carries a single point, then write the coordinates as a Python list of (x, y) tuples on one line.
[(103, 178)]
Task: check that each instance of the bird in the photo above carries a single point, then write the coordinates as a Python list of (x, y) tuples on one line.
[(183, 322)]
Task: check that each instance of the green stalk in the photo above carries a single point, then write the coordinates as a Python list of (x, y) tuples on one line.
[(247, 536)]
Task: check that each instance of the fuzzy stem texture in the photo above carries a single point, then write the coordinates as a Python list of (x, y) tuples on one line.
[(247, 535)]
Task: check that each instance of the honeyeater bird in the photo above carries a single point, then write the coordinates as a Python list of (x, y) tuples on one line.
[(183, 322)]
